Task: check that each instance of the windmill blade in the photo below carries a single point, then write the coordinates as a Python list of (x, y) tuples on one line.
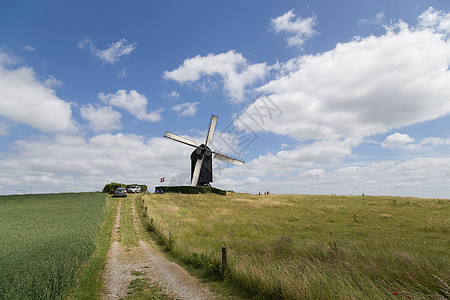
[(197, 169), (231, 160), (180, 139), (212, 128)]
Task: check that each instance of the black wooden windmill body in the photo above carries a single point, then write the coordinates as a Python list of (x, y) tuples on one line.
[(201, 157)]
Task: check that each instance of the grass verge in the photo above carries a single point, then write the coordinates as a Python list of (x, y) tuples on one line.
[(141, 287), (128, 236), (152, 235), (89, 278)]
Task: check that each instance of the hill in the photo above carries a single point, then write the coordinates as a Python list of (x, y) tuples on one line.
[(312, 247)]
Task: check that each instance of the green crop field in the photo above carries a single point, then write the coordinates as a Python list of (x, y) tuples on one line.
[(43, 241), (313, 247)]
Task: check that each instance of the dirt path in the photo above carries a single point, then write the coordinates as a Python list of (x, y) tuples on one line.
[(172, 278)]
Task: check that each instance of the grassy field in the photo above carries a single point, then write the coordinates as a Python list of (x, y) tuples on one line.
[(89, 284), (313, 247), (44, 239)]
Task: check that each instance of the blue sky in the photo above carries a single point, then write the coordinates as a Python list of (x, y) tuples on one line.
[(318, 97)]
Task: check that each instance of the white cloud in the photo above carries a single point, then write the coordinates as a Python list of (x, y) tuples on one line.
[(26, 100), (101, 119), (404, 141), (418, 177), (363, 87), (435, 141), (187, 109), (377, 20), (52, 82), (284, 68), (397, 140), (110, 54), (298, 28), (73, 163), (438, 21), (302, 157), (172, 94), (232, 67), (133, 102)]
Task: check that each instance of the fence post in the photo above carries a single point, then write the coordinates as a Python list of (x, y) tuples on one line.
[(224, 261)]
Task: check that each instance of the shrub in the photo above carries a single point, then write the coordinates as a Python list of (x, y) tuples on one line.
[(110, 188), (190, 189)]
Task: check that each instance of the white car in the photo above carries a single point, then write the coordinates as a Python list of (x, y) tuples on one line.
[(134, 189)]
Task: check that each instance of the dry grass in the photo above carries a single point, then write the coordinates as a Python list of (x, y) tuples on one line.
[(313, 247)]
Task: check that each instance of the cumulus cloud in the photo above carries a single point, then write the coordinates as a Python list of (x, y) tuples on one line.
[(418, 177), (101, 119), (435, 20), (133, 102), (111, 54), (28, 101), (301, 157), (362, 87), (232, 67), (298, 29), (187, 109), (73, 163), (397, 140)]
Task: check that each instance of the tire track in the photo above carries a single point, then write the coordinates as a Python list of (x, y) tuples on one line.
[(172, 278)]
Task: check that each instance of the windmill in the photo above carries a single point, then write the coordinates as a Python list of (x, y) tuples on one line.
[(201, 157)]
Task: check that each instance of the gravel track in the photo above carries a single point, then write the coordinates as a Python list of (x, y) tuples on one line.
[(172, 278)]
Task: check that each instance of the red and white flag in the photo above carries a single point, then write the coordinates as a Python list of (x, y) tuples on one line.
[(162, 179)]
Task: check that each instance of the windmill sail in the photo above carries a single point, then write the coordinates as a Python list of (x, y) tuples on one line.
[(212, 128), (229, 159), (196, 173), (180, 139)]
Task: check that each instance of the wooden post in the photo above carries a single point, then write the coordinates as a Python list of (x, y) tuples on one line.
[(224, 261)]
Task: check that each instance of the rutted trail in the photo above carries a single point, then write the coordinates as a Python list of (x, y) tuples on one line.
[(172, 278)]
